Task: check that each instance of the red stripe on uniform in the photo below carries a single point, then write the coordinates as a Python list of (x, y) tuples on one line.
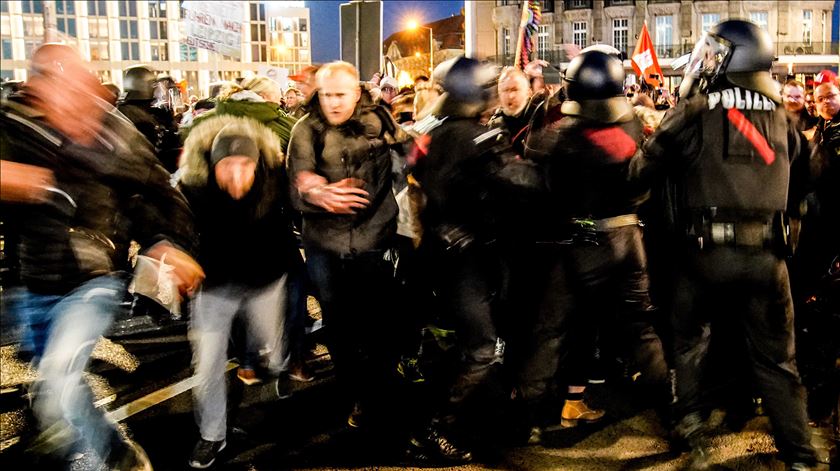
[(616, 143), (746, 128)]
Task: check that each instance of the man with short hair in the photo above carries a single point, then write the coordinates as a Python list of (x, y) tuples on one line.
[(793, 98), (294, 100), (340, 169), (515, 109)]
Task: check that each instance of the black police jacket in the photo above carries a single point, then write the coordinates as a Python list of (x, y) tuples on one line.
[(730, 149)]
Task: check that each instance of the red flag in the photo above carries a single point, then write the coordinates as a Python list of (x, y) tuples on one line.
[(644, 59)]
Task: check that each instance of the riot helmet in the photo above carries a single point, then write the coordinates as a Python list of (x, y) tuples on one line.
[(595, 88), (735, 51), (467, 84), (139, 83)]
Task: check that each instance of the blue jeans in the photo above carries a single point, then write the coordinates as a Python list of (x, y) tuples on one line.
[(63, 402), (214, 309)]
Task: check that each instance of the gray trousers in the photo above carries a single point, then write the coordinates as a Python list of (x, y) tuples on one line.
[(214, 309)]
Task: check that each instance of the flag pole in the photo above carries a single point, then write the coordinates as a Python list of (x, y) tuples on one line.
[(520, 43)]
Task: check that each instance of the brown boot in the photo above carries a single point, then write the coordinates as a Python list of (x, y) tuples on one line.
[(575, 411)]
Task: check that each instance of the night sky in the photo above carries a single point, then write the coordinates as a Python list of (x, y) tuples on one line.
[(325, 24)]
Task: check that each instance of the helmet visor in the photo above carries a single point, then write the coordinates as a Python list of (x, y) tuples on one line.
[(709, 56)]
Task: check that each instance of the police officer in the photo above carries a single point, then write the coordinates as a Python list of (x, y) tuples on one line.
[(727, 148), (599, 260), (152, 115), (463, 175)]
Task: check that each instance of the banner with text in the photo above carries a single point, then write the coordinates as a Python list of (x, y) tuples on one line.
[(215, 26)]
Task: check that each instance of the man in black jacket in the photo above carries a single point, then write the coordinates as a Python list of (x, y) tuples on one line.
[(340, 170), (728, 148), (98, 187)]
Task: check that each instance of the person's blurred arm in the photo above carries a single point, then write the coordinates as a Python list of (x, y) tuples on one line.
[(23, 183)]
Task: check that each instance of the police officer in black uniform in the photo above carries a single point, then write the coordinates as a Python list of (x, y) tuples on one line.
[(727, 148), (464, 174), (152, 115), (598, 280)]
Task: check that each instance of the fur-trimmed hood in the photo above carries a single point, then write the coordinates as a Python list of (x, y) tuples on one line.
[(194, 162)]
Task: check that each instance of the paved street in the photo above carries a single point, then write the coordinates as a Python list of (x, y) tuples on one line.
[(308, 429)]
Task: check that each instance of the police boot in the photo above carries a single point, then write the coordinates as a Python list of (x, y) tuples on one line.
[(432, 445), (692, 429)]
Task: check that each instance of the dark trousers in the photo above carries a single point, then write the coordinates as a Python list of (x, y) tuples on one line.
[(756, 290), (355, 296), (589, 289), (468, 284)]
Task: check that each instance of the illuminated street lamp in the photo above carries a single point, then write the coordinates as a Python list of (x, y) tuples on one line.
[(412, 26)]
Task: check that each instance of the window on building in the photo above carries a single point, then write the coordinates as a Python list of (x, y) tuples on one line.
[(188, 53), (34, 6), (4, 7), (807, 25), (128, 8), (621, 31), (543, 36), (65, 17), (7, 74), (664, 35), (303, 25), (98, 27), (158, 30), (97, 8), (129, 31), (761, 18), (257, 11), (546, 6), (7, 49), (579, 34), (29, 47), (99, 50), (506, 41), (160, 52), (708, 20)]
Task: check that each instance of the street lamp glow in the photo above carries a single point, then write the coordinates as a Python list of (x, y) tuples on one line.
[(412, 24)]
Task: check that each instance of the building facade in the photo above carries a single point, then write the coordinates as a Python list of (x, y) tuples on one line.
[(114, 35), (801, 30)]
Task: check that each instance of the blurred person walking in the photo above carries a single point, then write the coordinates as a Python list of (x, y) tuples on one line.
[(90, 183)]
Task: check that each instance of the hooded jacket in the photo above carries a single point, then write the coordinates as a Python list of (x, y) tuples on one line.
[(249, 241), (359, 148), (247, 103)]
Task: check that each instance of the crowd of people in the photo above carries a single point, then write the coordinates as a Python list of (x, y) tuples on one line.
[(567, 230)]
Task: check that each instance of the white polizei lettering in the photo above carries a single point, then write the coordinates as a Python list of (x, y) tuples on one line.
[(739, 102), (768, 105), (714, 99), (728, 98), (757, 104), (748, 96)]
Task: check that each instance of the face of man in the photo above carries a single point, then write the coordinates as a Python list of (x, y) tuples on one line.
[(67, 92), (291, 99), (827, 100), (514, 92), (793, 98), (388, 93), (338, 94), (235, 175)]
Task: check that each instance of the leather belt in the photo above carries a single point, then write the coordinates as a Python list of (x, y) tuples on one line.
[(743, 234)]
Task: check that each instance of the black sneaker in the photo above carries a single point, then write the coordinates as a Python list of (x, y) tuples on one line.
[(434, 445), (205, 452)]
